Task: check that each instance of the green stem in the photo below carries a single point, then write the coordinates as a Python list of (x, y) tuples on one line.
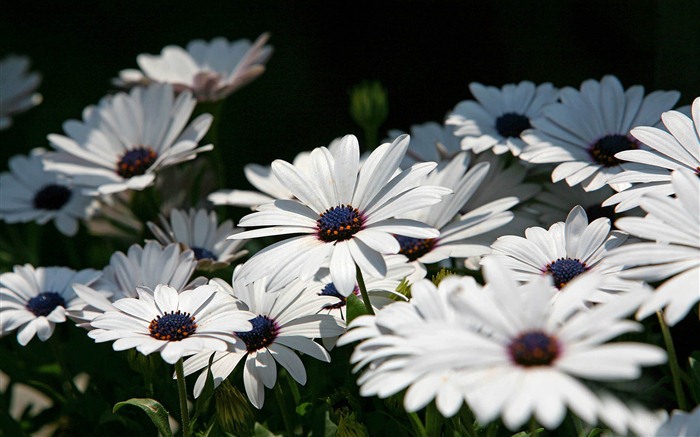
[(465, 420), (417, 425), (69, 387), (673, 363), (293, 388), (492, 430), (433, 420), (363, 291), (288, 426), (533, 426), (182, 391)]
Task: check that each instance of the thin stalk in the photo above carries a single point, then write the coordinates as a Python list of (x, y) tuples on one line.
[(580, 431), (182, 391), (673, 363), (69, 386), (417, 425), (492, 430), (293, 388), (464, 423), (433, 420), (363, 290), (533, 426), (288, 425)]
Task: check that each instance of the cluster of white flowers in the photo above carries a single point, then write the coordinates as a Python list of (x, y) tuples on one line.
[(519, 340)]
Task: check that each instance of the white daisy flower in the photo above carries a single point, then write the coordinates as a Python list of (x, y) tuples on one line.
[(527, 356), (17, 88), (34, 300), (145, 267), (429, 142), (565, 251), (498, 117), (124, 140), (174, 324), (681, 424), (200, 231), (673, 225), (589, 127), (345, 214), (210, 70), (29, 193), (456, 231), (283, 322), (650, 170)]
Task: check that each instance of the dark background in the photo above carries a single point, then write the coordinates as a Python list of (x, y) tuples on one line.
[(424, 53)]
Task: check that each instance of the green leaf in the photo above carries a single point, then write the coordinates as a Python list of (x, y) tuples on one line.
[(261, 431), (330, 428), (156, 412), (209, 429), (355, 307), (304, 408)]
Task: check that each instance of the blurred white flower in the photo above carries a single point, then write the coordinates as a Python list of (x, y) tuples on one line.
[(17, 88), (200, 231), (210, 70), (33, 300), (498, 117), (124, 140), (30, 193)]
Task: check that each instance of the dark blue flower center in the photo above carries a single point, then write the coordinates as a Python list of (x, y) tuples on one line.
[(202, 253), (603, 151), (172, 326), (263, 334), (339, 223), (43, 303), (330, 290), (512, 125), (136, 161), (414, 248), (52, 197), (564, 270), (534, 349)]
